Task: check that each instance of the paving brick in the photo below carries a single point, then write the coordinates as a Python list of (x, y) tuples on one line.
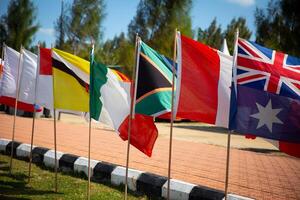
[(253, 174)]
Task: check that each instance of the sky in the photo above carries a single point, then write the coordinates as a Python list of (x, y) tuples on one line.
[(119, 13)]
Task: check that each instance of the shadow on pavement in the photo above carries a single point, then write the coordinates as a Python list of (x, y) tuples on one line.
[(203, 128), (260, 150)]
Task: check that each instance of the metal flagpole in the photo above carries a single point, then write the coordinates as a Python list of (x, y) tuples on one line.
[(90, 136), (234, 57), (15, 113), (33, 117), (132, 103), (89, 160), (54, 120), (172, 114), (55, 146)]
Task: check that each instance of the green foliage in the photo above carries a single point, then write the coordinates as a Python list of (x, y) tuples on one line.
[(156, 21), (118, 51), (80, 26), (18, 26), (211, 36), (279, 26), (244, 31)]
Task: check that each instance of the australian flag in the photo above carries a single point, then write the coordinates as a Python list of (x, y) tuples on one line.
[(266, 98)]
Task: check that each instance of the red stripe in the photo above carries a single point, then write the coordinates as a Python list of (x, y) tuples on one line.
[(199, 82), (143, 133), (250, 77), (9, 101), (297, 85), (45, 61), (241, 42), (123, 76), (292, 149)]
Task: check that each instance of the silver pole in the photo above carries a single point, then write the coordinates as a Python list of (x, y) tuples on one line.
[(54, 115), (55, 150), (33, 117), (90, 137), (134, 85), (234, 57), (15, 111), (172, 115)]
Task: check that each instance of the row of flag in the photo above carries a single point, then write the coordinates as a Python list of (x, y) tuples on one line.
[(256, 92)]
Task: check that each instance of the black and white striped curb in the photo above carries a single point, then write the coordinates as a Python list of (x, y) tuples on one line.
[(152, 185)]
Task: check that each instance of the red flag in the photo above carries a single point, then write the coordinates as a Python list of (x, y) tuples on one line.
[(143, 133), (204, 81)]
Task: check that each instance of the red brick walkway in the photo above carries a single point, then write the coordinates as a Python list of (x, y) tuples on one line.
[(256, 175)]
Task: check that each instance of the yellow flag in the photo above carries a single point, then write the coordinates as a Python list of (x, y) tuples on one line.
[(70, 81)]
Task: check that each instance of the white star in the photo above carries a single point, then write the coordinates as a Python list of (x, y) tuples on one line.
[(267, 116)]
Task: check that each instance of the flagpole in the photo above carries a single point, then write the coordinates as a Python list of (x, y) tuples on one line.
[(234, 57), (34, 113), (54, 123), (15, 111), (55, 146), (90, 136), (172, 114), (131, 116)]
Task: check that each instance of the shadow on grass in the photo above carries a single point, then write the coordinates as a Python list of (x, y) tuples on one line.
[(11, 198), (18, 186)]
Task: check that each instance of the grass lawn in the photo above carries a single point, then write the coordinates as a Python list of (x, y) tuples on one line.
[(41, 186)]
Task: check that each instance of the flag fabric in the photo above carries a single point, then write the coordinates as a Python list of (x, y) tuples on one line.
[(70, 81), (1, 66), (203, 83), (265, 69), (26, 78), (267, 93), (110, 103), (154, 82), (224, 48), (45, 79)]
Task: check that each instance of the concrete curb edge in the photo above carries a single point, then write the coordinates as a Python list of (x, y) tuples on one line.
[(152, 185)]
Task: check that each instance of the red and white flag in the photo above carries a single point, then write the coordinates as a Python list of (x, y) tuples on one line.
[(203, 82), (45, 79), (19, 75)]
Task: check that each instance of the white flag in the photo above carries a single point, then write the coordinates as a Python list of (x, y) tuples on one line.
[(19, 75)]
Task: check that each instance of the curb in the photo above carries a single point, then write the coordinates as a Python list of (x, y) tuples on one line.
[(152, 185)]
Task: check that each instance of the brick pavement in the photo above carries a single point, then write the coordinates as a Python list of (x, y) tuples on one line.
[(256, 175)]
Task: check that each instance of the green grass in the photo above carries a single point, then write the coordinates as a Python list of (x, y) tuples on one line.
[(41, 186)]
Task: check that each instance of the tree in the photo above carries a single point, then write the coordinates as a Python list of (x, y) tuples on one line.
[(244, 31), (18, 26), (80, 25), (118, 51), (156, 21), (60, 27), (211, 36), (279, 26)]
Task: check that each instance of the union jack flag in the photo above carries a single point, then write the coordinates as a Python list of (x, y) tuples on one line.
[(268, 70)]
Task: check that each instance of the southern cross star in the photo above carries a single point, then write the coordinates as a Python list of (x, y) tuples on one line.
[(267, 116)]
